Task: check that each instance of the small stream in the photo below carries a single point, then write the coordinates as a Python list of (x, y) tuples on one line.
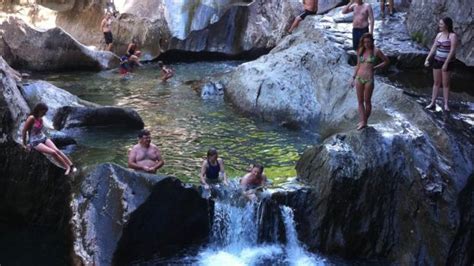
[(182, 124)]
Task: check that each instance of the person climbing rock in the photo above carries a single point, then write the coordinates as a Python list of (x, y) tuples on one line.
[(310, 9)]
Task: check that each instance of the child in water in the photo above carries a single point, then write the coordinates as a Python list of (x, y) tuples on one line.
[(166, 72)]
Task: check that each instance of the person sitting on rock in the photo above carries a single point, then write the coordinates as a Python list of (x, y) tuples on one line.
[(310, 8), (106, 28), (145, 156), (253, 181), (33, 131), (363, 78), (133, 53), (166, 72), (212, 169)]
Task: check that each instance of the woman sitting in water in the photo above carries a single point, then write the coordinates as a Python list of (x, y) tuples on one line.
[(212, 169), (133, 54), (443, 49), (363, 78), (33, 128)]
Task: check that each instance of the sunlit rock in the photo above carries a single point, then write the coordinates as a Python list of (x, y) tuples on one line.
[(52, 96), (52, 49)]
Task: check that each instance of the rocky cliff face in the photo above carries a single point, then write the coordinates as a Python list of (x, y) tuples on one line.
[(135, 216), (423, 17), (52, 49), (34, 192)]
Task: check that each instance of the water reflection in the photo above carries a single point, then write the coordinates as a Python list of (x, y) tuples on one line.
[(182, 124)]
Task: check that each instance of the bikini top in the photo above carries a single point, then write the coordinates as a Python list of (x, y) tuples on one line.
[(37, 128), (369, 60)]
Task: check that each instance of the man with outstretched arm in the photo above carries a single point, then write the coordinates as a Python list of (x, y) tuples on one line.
[(363, 19)]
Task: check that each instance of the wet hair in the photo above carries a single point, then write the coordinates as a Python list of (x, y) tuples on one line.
[(361, 42), (449, 24), (40, 107), (160, 64), (143, 132), (211, 152), (259, 166)]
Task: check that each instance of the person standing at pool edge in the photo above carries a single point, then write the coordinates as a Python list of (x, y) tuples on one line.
[(443, 48), (106, 28), (363, 78)]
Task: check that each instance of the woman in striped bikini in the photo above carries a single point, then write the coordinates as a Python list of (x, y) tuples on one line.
[(443, 49)]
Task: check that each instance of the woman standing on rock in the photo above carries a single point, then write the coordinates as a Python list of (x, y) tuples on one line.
[(37, 139), (443, 48), (363, 78)]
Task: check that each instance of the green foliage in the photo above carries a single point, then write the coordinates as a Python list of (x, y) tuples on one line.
[(418, 37)]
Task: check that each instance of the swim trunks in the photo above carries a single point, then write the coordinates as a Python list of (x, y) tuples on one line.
[(307, 13), (108, 37), (356, 35)]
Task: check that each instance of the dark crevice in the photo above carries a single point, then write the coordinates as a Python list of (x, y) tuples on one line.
[(174, 56)]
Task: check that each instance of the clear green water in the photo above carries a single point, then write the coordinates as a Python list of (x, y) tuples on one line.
[(182, 124)]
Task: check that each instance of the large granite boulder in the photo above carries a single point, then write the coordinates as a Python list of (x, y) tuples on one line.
[(303, 81), (45, 92), (135, 215), (52, 49), (423, 17), (224, 26), (34, 192), (71, 117), (327, 5), (392, 191)]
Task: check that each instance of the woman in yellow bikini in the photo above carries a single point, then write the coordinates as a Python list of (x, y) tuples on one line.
[(363, 78)]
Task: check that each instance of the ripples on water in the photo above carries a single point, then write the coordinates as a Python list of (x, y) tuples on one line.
[(182, 124)]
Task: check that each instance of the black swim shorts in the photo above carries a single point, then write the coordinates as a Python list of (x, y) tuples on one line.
[(439, 64), (108, 37), (307, 13), (356, 35)]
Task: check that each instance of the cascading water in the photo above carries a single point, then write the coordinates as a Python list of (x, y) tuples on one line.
[(236, 238)]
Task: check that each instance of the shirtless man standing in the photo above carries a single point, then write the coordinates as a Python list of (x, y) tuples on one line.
[(310, 8), (106, 28), (145, 156), (363, 17)]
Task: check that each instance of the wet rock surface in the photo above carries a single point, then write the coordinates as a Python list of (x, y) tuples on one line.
[(51, 49), (389, 194), (173, 217), (71, 117), (423, 17), (34, 192), (132, 214)]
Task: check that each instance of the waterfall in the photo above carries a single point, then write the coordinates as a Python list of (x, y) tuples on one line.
[(237, 238)]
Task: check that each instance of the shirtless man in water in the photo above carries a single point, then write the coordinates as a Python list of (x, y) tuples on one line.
[(363, 17), (310, 8), (145, 156), (106, 28)]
